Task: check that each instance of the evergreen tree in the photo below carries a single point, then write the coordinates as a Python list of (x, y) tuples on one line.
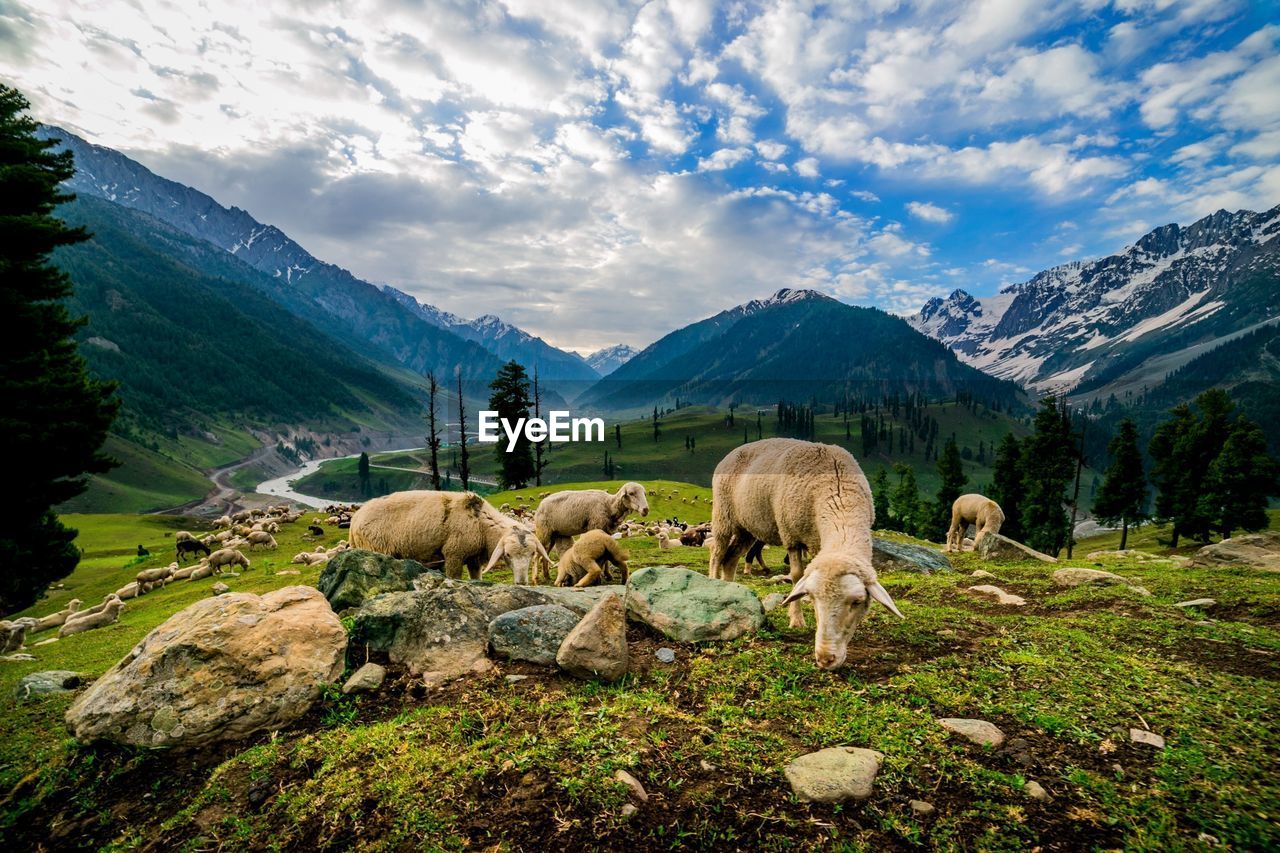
[(1122, 498), (55, 415), (362, 473), (433, 431), (509, 397), (464, 461), (1182, 449), (1240, 481), (880, 498), (617, 435), (1048, 465), (951, 478), (1007, 484), (904, 505)]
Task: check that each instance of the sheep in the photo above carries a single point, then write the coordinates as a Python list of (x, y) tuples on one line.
[(222, 521), (665, 543), (191, 547), (460, 528), (802, 496), (225, 557), (566, 514), (980, 511), (585, 561), (107, 616), (12, 636), (315, 530), (97, 608), (55, 620), (309, 558), (130, 590), (262, 539), (153, 575), (202, 571), (182, 536)]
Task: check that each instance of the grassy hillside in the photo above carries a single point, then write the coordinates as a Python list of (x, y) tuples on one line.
[(488, 763)]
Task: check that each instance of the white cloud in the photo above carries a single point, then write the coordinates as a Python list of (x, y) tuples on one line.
[(929, 212), (807, 168), (771, 149), (725, 158)]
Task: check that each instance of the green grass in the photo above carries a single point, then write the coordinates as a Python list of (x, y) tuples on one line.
[(1151, 538), (489, 764)]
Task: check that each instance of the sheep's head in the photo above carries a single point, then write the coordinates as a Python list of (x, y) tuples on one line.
[(841, 590), (634, 497), (518, 546)]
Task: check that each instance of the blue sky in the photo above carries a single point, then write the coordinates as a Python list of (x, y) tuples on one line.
[(603, 172)]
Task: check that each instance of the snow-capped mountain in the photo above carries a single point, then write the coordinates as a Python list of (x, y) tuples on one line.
[(607, 360), (1129, 317)]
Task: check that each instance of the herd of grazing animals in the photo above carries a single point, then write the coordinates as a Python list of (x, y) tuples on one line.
[(810, 499)]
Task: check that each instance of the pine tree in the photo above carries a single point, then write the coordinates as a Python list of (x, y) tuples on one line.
[(1048, 465), (951, 478), (904, 505), (617, 435), (509, 397), (880, 498), (1122, 498), (55, 415), (1240, 481), (540, 461), (433, 431), (464, 462), (362, 473), (1182, 449)]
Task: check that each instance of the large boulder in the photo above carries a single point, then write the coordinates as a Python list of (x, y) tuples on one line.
[(690, 607), (1080, 577), (996, 547), (220, 670), (596, 648), (579, 600), (1256, 550), (48, 683), (835, 774), (888, 556), (532, 634), (351, 577)]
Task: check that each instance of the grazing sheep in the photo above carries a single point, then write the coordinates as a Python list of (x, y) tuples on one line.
[(460, 528), (191, 547), (315, 530), (55, 620), (977, 510), (182, 536), (566, 514), (802, 496), (262, 539), (223, 521), (223, 558), (585, 562), (107, 616)]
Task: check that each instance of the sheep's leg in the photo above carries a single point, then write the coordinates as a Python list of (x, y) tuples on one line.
[(978, 536), (592, 575), (794, 610), (453, 568), (738, 545)]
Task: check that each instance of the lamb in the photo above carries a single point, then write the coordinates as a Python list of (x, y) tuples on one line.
[(309, 558), (802, 496), (665, 543), (977, 510), (224, 557), (566, 514), (262, 539), (201, 572), (109, 614), (191, 547), (55, 620), (585, 562), (460, 528)]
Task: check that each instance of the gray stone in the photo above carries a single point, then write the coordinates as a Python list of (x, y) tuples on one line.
[(47, 683), (980, 732), (629, 811), (532, 634), (922, 809), (689, 607), (784, 578), (1197, 602), (633, 784), (579, 600), (1000, 596), (368, 677), (665, 655), (983, 575), (835, 774), (1146, 737), (1255, 550), (773, 601), (220, 588), (1079, 577), (515, 679), (356, 575), (996, 547), (888, 556), (597, 647), (1036, 791)]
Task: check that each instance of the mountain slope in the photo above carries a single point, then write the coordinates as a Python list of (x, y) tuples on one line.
[(1131, 316), (326, 295), (796, 345), (607, 360)]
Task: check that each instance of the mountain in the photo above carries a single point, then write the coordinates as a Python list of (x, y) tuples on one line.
[(563, 370), (329, 297), (607, 360), (797, 345), (1126, 320)]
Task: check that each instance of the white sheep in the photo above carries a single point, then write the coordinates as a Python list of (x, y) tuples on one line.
[(222, 558), (585, 562), (152, 576), (55, 620), (805, 497), (977, 510), (262, 539), (109, 614), (182, 536), (130, 590), (12, 636), (565, 515), (459, 528)]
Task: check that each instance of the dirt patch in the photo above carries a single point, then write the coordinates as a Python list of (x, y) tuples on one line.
[(1228, 657)]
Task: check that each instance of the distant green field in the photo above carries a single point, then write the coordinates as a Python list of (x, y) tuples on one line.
[(1152, 538)]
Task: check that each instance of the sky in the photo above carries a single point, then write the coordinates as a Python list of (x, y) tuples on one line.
[(606, 172)]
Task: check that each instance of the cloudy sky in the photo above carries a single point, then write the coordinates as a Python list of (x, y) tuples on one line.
[(603, 172)]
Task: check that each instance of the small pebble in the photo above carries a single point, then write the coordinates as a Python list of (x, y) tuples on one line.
[(922, 809), (665, 655), (633, 783), (513, 679), (707, 766), (628, 810), (1036, 791), (1149, 738)]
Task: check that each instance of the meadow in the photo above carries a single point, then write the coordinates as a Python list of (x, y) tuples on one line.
[(528, 763)]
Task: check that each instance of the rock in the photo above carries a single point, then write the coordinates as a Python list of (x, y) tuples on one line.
[(1079, 577), (773, 601), (579, 600), (665, 655), (835, 774), (706, 766), (976, 731), (223, 668), (1126, 554), (288, 572), (983, 575), (597, 646), (996, 547), (633, 784), (368, 677), (888, 555), (1256, 550), (1141, 590), (481, 665), (784, 578), (1197, 602), (628, 811), (1036, 791), (531, 634), (689, 607), (515, 679), (47, 642), (922, 809), (220, 588), (47, 683), (21, 657), (1144, 736), (1000, 596), (355, 575)]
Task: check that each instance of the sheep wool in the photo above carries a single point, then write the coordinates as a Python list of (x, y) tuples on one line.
[(977, 510)]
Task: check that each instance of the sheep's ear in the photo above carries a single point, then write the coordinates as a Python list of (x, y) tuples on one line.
[(881, 595), (543, 551), (493, 560), (799, 591)]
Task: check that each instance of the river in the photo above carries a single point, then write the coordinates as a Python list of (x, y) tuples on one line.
[(281, 487)]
